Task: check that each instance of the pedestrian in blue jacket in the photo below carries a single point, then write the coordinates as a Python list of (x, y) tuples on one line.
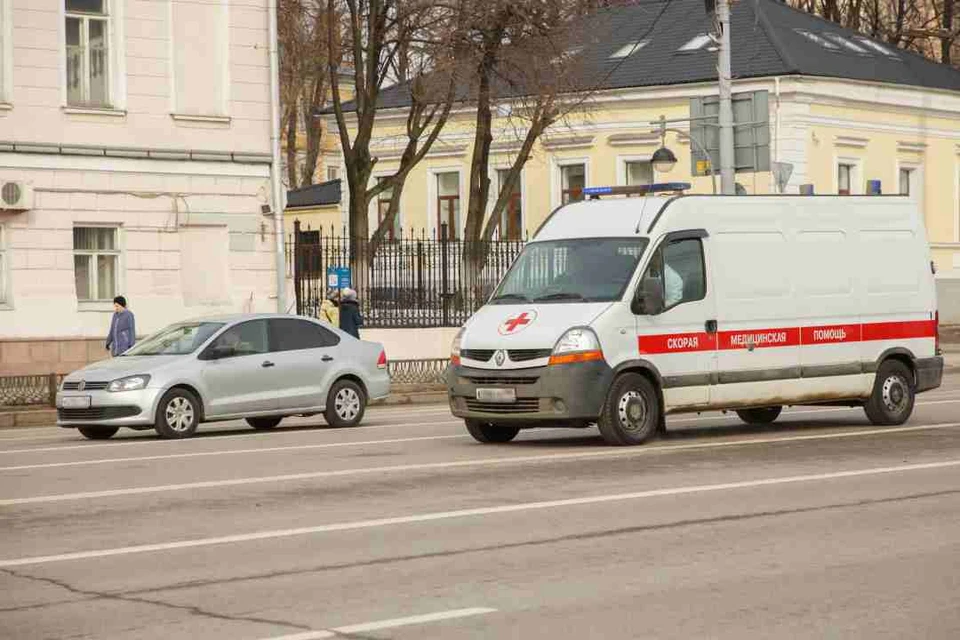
[(350, 318), (123, 330)]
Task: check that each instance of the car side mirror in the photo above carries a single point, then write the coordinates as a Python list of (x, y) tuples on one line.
[(649, 299), (222, 351)]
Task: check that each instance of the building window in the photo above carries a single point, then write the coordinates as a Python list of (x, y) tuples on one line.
[(333, 173), (844, 179), (639, 172), (906, 178), (573, 178), (511, 223), (88, 54), (96, 261), (383, 206), (3, 267), (448, 204)]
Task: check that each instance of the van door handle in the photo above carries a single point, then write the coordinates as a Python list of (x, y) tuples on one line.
[(267, 364), (326, 359), (711, 326)]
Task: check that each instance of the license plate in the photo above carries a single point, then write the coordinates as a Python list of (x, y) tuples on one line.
[(75, 402), (497, 395)]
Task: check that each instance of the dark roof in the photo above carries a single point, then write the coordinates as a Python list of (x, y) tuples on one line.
[(767, 40), (315, 195)]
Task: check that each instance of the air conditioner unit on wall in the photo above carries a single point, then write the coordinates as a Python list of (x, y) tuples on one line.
[(15, 196)]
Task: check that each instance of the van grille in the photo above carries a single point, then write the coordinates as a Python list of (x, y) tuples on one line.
[(480, 355), (488, 381), (525, 405), (524, 355)]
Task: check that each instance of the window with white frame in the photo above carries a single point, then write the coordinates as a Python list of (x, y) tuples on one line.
[(573, 179), (3, 267), (96, 262), (845, 178), (448, 204), (88, 53), (906, 180), (333, 173), (639, 172)]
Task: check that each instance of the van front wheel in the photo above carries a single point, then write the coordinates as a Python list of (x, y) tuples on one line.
[(891, 402), (631, 413), (763, 415)]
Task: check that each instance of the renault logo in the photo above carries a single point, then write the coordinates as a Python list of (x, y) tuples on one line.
[(500, 357), (82, 385)]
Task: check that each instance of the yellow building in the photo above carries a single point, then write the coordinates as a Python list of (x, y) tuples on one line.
[(842, 110)]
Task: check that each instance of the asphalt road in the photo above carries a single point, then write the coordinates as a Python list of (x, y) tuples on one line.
[(820, 526)]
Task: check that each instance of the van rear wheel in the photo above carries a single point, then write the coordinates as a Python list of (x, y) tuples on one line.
[(762, 415), (891, 402), (631, 413), (488, 433)]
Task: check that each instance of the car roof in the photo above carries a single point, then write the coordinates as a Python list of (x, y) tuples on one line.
[(232, 318)]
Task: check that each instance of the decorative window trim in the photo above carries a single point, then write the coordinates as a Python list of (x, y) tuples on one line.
[(851, 142), (94, 111), (97, 304), (116, 60), (186, 117)]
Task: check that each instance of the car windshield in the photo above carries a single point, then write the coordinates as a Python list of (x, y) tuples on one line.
[(175, 340), (579, 270)]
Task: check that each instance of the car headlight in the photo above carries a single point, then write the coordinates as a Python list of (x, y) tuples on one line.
[(131, 383), (455, 348), (577, 345)]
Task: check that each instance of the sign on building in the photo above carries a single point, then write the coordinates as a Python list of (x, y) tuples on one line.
[(751, 132)]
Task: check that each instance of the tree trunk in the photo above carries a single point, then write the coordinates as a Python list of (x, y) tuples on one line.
[(946, 43), (479, 191), (292, 147)]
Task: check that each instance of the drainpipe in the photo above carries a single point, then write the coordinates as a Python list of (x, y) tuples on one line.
[(275, 168), (776, 129)]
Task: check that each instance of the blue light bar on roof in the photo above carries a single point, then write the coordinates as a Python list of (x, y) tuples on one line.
[(639, 189)]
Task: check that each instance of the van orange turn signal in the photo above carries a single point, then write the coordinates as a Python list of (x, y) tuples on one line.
[(571, 358)]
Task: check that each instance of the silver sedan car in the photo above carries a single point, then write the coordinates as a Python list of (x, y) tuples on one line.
[(258, 367)]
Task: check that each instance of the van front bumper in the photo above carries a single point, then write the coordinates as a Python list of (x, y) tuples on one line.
[(569, 393), (929, 373)]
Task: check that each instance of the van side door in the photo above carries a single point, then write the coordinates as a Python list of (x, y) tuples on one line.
[(676, 323)]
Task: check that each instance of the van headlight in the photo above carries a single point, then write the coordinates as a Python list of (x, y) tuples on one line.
[(455, 348), (577, 345), (130, 383)]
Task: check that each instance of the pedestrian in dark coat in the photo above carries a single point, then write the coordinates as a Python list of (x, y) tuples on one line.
[(123, 328), (350, 318)]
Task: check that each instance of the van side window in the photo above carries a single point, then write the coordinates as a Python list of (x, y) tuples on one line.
[(677, 269)]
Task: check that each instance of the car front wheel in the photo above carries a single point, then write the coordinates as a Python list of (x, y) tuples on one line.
[(488, 433), (178, 414)]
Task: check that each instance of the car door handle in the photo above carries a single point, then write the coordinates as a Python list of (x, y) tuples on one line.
[(711, 326), (267, 364), (326, 359)]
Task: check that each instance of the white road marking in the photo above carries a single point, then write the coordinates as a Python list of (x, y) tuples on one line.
[(225, 452), (713, 415), (386, 624), (474, 462), (462, 513)]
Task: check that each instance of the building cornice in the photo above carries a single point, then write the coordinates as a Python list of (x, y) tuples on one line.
[(51, 148)]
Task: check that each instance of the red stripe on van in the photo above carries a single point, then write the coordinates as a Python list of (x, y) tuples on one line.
[(830, 334), (677, 343), (900, 330), (760, 338)]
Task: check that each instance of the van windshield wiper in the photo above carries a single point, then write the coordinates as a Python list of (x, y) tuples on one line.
[(566, 295), (510, 296)]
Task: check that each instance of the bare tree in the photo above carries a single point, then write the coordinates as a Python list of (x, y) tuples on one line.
[(386, 41)]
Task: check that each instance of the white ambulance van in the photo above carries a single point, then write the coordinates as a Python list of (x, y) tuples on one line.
[(623, 310)]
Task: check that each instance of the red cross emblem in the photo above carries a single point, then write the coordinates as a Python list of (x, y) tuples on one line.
[(517, 324)]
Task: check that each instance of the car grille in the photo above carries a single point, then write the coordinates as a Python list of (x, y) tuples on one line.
[(480, 355), (525, 355), (525, 405), (486, 381), (98, 413), (88, 386)]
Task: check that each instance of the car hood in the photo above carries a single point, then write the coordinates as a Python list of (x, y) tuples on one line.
[(536, 326), (107, 370)]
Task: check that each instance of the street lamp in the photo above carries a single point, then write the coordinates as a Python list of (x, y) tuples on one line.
[(663, 160)]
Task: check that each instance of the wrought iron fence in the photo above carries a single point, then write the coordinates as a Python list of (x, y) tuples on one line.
[(16, 391), (407, 281), (419, 371)]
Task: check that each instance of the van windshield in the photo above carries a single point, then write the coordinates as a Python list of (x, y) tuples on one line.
[(577, 270)]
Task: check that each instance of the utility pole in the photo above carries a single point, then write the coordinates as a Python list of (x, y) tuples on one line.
[(727, 161)]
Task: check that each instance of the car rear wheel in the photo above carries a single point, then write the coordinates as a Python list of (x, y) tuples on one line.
[(346, 404), (761, 415), (488, 433), (264, 423), (178, 414), (631, 413), (98, 433), (891, 402)]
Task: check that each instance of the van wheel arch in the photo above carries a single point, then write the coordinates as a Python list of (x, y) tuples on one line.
[(650, 371), (900, 354)]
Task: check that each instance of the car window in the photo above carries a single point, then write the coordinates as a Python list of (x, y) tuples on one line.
[(677, 269), (248, 338), (290, 334)]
